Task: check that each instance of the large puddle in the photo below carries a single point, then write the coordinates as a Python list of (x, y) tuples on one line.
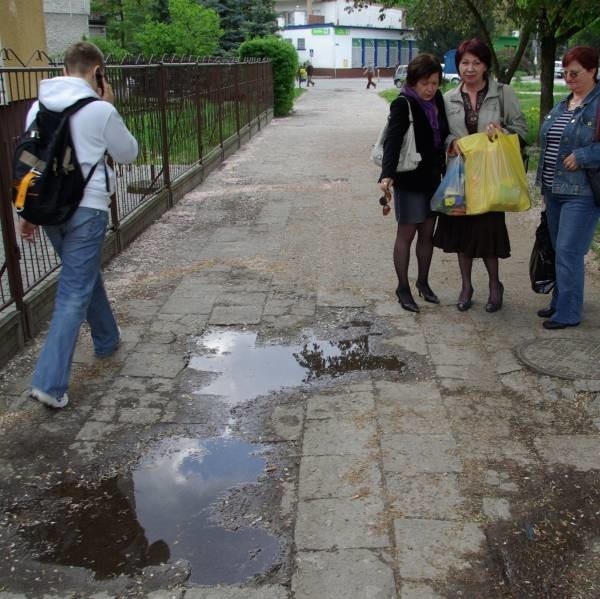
[(161, 512), (244, 370)]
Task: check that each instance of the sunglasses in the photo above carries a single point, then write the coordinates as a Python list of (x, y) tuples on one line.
[(572, 74), (384, 201)]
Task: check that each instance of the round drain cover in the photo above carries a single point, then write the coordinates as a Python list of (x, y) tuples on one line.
[(565, 358)]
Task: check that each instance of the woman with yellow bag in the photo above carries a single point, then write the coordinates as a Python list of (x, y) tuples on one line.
[(478, 104)]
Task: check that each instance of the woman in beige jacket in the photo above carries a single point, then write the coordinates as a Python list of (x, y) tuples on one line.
[(478, 104)]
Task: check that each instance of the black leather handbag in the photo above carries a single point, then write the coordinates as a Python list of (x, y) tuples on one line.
[(541, 263)]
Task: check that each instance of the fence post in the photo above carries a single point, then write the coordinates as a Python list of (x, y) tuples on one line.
[(164, 130), (198, 91), (12, 253)]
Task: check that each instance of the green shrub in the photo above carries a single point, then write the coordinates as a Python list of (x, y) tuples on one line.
[(285, 68)]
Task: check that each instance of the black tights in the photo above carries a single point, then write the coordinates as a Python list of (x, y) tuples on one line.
[(424, 251), (466, 266)]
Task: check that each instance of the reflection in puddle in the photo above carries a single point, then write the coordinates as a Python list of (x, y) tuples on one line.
[(246, 370), (161, 513)]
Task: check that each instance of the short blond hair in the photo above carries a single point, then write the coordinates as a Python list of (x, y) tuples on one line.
[(82, 57)]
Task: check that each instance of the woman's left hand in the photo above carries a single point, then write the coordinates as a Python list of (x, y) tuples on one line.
[(570, 162)]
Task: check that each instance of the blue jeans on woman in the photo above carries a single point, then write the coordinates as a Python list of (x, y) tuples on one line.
[(572, 221), (80, 295)]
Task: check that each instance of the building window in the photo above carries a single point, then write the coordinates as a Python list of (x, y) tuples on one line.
[(301, 44)]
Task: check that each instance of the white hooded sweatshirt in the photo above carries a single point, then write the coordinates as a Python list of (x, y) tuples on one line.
[(95, 129)]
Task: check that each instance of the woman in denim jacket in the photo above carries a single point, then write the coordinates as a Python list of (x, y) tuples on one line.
[(567, 149)]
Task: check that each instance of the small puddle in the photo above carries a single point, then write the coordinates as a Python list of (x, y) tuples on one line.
[(161, 512), (245, 370)]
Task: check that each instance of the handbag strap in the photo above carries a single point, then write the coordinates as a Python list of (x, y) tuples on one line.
[(597, 134)]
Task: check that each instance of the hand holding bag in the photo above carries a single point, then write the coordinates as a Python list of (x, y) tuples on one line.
[(449, 197), (409, 157), (495, 178)]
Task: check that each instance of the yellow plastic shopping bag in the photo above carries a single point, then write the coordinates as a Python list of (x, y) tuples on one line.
[(495, 178)]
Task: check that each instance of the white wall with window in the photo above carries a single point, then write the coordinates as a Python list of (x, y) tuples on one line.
[(327, 46)]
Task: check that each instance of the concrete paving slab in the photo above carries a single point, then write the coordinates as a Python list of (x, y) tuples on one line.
[(348, 476), (141, 364), (342, 574), (340, 524), (580, 451), (333, 406), (341, 436), (235, 315), (429, 549), (224, 592), (417, 590), (412, 454), (427, 496)]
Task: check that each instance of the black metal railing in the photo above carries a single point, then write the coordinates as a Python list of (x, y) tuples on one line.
[(183, 115)]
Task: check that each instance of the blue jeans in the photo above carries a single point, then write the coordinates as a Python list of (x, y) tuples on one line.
[(572, 221), (80, 295)]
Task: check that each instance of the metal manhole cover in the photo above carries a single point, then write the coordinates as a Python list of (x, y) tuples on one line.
[(565, 358)]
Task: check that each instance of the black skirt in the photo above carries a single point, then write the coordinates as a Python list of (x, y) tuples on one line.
[(478, 236)]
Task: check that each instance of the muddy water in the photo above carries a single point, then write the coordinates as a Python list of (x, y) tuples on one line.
[(244, 369), (161, 512)]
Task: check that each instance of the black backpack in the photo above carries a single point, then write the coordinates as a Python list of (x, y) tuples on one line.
[(47, 180)]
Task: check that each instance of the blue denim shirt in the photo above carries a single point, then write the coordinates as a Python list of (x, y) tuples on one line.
[(577, 137)]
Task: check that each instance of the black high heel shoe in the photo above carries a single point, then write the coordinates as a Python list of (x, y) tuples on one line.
[(407, 302), (465, 305), (495, 306), (427, 294)]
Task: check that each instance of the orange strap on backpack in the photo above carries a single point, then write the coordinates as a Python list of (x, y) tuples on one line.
[(26, 182)]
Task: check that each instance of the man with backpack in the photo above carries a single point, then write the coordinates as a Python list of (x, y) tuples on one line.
[(96, 129)]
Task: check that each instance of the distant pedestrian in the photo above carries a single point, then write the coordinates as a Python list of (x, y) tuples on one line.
[(96, 129), (309, 74), (370, 73), (301, 76)]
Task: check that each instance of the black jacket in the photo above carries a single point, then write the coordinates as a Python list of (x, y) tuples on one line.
[(428, 174)]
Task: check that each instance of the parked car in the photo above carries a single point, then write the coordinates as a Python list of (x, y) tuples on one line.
[(400, 75), (558, 69)]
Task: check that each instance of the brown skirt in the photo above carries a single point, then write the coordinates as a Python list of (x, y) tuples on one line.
[(479, 236)]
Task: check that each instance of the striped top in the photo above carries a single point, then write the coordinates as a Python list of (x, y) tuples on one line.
[(552, 144)]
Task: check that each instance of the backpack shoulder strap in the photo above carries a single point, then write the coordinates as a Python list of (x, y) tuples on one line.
[(501, 100)]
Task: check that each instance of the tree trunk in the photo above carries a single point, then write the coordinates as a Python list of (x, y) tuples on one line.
[(547, 56)]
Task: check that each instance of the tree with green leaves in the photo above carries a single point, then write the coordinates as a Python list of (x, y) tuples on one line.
[(193, 29), (242, 20), (554, 22)]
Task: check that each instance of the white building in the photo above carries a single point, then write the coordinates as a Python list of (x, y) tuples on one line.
[(66, 23), (341, 43)]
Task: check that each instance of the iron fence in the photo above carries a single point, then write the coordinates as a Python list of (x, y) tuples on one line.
[(183, 115)]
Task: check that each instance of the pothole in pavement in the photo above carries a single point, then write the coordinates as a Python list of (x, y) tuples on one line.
[(243, 369), (159, 512)]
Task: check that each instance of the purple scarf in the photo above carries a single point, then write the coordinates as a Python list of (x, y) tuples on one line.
[(431, 112)]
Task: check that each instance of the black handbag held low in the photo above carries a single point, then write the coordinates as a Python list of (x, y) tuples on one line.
[(541, 263)]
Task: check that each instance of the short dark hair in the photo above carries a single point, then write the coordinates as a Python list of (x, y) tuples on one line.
[(586, 56), (422, 65), (82, 57), (476, 47)]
